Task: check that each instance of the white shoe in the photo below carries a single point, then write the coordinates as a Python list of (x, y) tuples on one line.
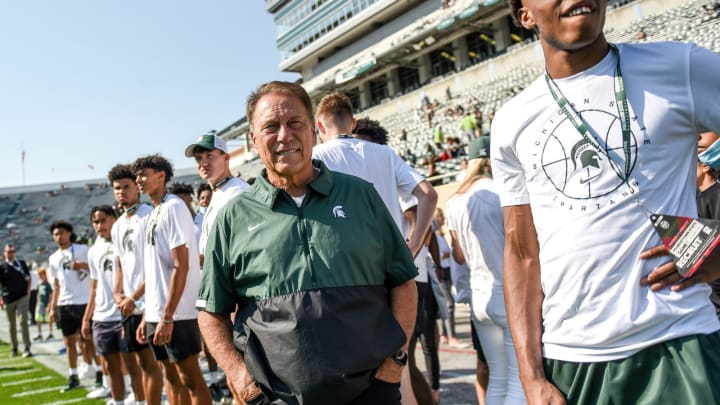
[(86, 371), (130, 400), (101, 392)]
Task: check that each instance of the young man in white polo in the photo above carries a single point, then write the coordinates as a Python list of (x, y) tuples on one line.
[(172, 277), (213, 164), (102, 319), (128, 238), (71, 283)]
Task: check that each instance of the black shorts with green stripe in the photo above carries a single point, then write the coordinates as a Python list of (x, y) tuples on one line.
[(680, 371)]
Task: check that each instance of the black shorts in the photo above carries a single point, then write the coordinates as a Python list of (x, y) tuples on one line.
[(108, 338), (379, 393), (185, 341), (476, 343), (70, 318), (129, 326)]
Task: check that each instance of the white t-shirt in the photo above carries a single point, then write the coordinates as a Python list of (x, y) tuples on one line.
[(74, 284), (590, 228), (375, 163), (101, 260), (233, 188), (477, 219), (169, 226), (128, 235), (197, 222)]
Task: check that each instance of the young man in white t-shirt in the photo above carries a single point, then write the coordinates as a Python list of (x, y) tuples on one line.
[(378, 164), (70, 278), (101, 321), (128, 238), (580, 159), (213, 165), (172, 277)]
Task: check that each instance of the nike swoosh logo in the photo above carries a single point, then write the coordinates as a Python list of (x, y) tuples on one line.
[(254, 227), (583, 181)]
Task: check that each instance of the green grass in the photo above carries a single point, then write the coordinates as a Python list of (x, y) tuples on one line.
[(20, 375)]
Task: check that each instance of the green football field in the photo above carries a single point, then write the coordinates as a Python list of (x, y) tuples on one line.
[(27, 381)]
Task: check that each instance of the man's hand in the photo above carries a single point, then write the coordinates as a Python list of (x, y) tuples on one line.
[(140, 333), (163, 334), (666, 275), (51, 314), (542, 392), (389, 371), (126, 306), (242, 385), (85, 330)]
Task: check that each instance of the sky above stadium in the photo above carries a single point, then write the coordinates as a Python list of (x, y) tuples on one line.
[(86, 84)]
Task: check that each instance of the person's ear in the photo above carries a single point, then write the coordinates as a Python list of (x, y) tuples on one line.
[(526, 18)]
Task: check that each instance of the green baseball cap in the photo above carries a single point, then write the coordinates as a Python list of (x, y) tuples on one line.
[(209, 142), (479, 148)]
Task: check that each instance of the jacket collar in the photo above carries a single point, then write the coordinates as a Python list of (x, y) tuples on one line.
[(265, 193)]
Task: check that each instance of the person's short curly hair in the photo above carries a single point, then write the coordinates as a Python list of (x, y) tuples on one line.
[(62, 225), (180, 188), (371, 130), (202, 187), (515, 6), (121, 171), (155, 162), (105, 209)]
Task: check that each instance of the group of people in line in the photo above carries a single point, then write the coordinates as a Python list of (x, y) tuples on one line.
[(313, 285)]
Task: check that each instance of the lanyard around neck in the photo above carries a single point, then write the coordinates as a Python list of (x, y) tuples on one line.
[(621, 104), (221, 183)]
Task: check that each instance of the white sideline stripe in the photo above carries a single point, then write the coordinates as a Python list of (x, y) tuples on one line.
[(6, 362), (14, 373), (39, 391), (29, 380), (67, 401)]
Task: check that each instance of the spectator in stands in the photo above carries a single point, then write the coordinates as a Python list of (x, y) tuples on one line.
[(213, 165), (469, 127), (589, 298), (172, 277), (71, 284), (474, 219), (15, 285), (185, 192), (41, 310), (708, 205), (204, 196), (252, 244), (128, 236), (478, 115), (101, 321)]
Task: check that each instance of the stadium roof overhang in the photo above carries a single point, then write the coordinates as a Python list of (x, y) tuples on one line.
[(406, 46), (346, 33)]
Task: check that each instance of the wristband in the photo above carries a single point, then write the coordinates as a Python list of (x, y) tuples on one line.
[(167, 321)]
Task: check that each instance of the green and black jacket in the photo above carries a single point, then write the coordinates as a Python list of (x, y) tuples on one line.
[(312, 285)]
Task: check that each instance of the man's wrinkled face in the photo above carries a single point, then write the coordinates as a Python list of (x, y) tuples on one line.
[(283, 133)]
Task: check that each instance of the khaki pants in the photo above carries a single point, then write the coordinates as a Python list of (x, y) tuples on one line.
[(18, 307)]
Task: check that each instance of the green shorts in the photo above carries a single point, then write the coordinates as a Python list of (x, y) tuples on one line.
[(683, 371)]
